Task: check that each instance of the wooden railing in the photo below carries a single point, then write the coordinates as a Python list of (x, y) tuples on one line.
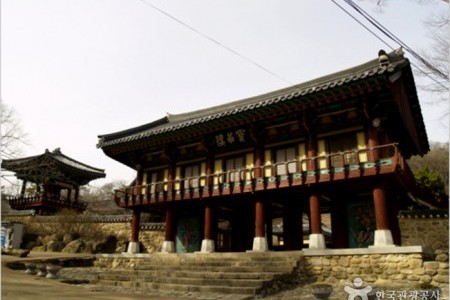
[(40, 200), (335, 166)]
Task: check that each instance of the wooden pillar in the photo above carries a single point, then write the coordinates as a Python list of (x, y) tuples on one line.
[(169, 225), (209, 172), (259, 157), (133, 245), (379, 202), (169, 244), (292, 226), (259, 219), (24, 187), (208, 230), (372, 142), (316, 238), (383, 235), (208, 240), (170, 179), (315, 218), (269, 230), (77, 193), (311, 152), (138, 181), (259, 241), (135, 223), (339, 225)]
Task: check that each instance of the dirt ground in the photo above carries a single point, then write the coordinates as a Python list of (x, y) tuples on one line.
[(16, 285)]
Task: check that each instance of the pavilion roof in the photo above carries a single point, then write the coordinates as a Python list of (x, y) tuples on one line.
[(52, 165), (301, 93)]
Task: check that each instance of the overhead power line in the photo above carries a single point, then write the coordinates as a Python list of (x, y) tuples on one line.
[(218, 43), (393, 38)]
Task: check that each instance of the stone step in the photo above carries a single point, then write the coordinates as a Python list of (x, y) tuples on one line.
[(173, 287), (223, 262), (255, 283), (223, 273), (205, 268), (173, 257), (109, 274)]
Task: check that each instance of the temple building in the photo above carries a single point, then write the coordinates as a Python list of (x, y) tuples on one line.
[(336, 146), (57, 179)]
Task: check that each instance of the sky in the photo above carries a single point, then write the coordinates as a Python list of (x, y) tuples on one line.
[(76, 69)]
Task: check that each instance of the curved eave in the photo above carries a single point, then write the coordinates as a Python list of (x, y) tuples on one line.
[(177, 122), (68, 166)]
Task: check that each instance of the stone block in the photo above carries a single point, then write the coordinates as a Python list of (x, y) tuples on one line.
[(419, 271), (413, 277), (338, 269), (344, 261), (442, 257), (431, 265), (441, 278), (425, 279), (355, 260), (415, 263), (443, 265)]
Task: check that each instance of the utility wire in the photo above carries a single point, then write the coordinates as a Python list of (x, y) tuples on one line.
[(216, 42), (386, 43), (394, 38)]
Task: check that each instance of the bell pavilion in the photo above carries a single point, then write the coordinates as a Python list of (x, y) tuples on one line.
[(335, 146), (57, 179)]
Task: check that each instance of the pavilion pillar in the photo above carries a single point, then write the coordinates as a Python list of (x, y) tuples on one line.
[(259, 241), (383, 235), (292, 226), (168, 245), (339, 223), (77, 193), (316, 238), (208, 240), (133, 245), (24, 188), (259, 157), (372, 143), (311, 142)]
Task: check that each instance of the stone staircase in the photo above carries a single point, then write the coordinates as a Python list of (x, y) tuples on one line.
[(249, 274)]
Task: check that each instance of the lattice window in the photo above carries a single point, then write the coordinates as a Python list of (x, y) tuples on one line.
[(191, 176), (285, 155)]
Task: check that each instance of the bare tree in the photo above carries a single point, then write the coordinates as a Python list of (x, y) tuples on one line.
[(101, 199), (12, 135), (433, 64), (438, 28)]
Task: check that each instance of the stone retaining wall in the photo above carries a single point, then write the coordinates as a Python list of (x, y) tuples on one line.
[(65, 234), (426, 228), (401, 267)]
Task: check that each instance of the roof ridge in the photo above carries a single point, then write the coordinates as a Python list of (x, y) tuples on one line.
[(323, 80)]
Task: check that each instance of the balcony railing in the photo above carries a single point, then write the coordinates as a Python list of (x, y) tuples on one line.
[(336, 166), (40, 200)]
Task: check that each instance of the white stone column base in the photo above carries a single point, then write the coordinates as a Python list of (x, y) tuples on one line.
[(133, 247), (207, 246), (260, 244), (383, 238), (317, 241), (168, 247)]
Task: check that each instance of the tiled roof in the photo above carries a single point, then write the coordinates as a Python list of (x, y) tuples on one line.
[(56, 157), (172, 122)]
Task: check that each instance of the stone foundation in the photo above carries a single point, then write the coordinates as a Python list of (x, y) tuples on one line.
[(427, 228), (401, 267), (59, 234)]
